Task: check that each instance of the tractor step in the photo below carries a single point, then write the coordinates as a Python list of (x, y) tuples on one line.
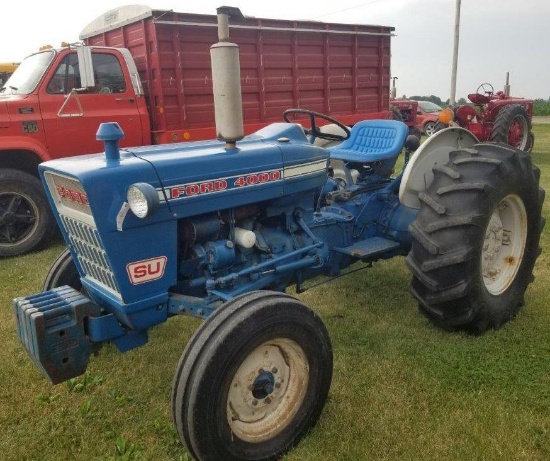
[(365, 249)]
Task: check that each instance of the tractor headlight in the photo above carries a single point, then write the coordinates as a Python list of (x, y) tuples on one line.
[(142, 198), (446, 116)]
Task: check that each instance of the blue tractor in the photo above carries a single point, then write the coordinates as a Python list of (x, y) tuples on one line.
[(219, 229)]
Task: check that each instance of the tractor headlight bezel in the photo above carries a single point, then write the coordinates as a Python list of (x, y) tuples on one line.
[(143, 199)]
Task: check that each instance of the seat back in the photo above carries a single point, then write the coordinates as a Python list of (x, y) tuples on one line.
[(372, 141)]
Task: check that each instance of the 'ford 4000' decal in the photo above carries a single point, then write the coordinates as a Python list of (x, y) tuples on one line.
[(222, 184), (213, 186)]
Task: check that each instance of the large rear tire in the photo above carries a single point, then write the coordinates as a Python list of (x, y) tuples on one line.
[(476, 238), (26, 221), (512, 126), (252, 379)]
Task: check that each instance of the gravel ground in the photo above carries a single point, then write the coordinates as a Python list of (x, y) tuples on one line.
[(541, 119)]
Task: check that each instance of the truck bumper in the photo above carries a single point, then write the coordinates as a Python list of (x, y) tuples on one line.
[(52, 326)]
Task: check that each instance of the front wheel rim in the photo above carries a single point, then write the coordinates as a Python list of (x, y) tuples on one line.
[(504, 244), (267, 390)]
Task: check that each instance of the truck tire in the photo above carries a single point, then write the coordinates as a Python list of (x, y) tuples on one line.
[(512, 126), (26, 220), (63, 272), (252, 379), (476, 238)]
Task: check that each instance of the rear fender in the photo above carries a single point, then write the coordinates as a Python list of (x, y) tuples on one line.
[(418, 173)]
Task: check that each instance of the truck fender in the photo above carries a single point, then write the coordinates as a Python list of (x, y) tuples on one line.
[(418, 173), (11, 143)]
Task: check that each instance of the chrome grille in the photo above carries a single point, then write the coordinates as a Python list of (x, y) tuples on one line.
[(91, 255)]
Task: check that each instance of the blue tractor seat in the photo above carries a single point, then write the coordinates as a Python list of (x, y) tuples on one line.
[(372, 141)]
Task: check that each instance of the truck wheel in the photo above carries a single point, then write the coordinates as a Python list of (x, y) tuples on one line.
[(512, 126), (63, 272), (26, 221), (429, 128), (476, 238), (252, 379)]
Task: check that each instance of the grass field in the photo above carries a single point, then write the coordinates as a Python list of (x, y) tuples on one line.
[(402, 389)]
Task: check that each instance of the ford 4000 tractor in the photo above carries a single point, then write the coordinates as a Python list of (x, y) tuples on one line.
[(218, 229)]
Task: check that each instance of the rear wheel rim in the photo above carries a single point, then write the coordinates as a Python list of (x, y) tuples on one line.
[(518, 133), (504, 244)]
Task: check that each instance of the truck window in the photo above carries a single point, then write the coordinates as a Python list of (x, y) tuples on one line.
[(66, 77), (107, 71), (28, 74), (108, 74)]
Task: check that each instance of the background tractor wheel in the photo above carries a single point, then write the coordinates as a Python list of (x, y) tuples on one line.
[(252, 379), (512, 126), (26, 221), (530, 143), (476, 238), (415, 132)]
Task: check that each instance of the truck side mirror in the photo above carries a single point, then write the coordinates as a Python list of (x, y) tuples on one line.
[(86, 67)]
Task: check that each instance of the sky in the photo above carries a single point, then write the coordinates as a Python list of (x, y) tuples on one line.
[(496, 36)]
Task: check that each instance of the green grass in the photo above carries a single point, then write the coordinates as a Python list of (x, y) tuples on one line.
[(402, 389)]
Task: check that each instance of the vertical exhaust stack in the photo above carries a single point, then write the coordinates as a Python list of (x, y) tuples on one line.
[(507, 85), (226, 79)]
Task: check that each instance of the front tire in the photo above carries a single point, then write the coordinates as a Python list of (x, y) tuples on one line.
[(252, 379), (63, 272), (512, 126), (26, 221), (476, 238)]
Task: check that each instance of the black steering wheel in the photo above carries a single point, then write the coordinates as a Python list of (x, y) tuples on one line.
[(486, 88), (314, 131)]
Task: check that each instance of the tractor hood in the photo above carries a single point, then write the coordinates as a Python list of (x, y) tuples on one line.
[(89, 195), (192, 178)]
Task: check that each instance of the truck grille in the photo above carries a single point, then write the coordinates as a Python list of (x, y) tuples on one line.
[(91, 255)]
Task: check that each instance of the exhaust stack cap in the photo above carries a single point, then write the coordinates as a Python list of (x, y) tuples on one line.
[(110, 133)]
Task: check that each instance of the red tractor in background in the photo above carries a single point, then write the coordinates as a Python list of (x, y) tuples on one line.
[(406, 110), (494, 117)]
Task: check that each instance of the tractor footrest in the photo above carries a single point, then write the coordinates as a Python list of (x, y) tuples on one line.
[(51, 327), (365, 249)]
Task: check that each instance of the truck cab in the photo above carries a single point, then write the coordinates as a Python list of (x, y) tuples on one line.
[(50, 108), (46, 102)]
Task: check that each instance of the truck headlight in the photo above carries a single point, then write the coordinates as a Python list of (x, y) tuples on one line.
[(142, 198)]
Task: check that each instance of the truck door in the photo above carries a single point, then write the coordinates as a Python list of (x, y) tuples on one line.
[(72, 115)]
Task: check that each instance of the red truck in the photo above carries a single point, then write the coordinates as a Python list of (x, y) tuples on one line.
[(149, 70)]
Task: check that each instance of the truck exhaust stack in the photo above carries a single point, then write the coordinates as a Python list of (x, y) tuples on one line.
[(226, 79)]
